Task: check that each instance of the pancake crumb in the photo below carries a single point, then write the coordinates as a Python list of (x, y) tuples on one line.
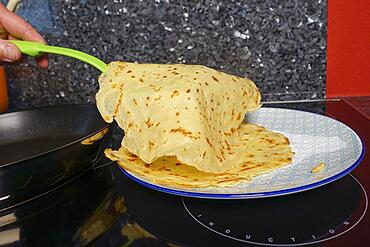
[(318, 168)]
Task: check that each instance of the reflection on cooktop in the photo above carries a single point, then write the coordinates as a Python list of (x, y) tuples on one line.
[(298, 219), (74, 215)]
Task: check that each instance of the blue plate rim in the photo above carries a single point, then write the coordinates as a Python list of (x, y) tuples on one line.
[(254, 195)]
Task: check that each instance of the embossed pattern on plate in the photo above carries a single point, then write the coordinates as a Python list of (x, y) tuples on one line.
[(314, 138)]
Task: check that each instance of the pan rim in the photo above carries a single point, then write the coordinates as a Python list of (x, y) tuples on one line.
[(106, 126)]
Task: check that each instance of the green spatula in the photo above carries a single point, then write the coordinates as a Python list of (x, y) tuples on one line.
[(37, 49)]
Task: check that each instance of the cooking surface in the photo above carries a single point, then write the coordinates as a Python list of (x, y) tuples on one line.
[(104, 208)]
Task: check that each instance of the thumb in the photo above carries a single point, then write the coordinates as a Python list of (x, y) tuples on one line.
[(9, 52)]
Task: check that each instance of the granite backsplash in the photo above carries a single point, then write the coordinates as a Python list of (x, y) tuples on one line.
[(281, 45)]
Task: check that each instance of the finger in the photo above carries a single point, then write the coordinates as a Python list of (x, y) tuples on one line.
[(19, 61), (10, 37), (9, 52), (43, 61), (18, 27)]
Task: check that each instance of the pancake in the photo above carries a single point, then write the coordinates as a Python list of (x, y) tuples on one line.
[(184, 125), (264, 151), (188, 111)]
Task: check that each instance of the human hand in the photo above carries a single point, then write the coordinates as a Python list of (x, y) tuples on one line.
[(16, 27)]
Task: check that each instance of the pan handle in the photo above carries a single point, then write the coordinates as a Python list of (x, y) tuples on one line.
[(104, 161), (100, 160)]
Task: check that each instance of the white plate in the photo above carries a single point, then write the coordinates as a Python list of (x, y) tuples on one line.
[(314, 138)]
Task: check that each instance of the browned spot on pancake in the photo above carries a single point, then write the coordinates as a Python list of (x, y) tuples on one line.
[(141, 80), (247, 168), (271, 141), (130, 125), (146, 165), (134, 100), (174, 93), (197, 90), (227, 133), (204, 154), (177, 113), (188, 91), (239, 116), (166, 169), (206, 83), (184, 132), (157, 124), (129, 71), (148, 123), (158, 98), (147, 98), (214, 78), (233, 79), (132, 155), (286, 140), (132, 76), (227, 180), (151, 145), (209, 142), (178, 164)]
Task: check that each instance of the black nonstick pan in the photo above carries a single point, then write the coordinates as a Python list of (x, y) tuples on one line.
[(43, 148)]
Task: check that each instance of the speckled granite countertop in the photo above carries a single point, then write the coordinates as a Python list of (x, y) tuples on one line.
[(279, 45)]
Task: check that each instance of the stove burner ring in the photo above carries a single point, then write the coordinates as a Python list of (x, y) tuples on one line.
[(270, 241)]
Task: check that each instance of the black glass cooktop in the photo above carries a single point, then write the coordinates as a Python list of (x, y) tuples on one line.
[(104, 208)]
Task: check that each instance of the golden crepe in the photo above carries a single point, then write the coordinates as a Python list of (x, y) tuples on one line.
[(187, 111), (264, 151), (183, 124)]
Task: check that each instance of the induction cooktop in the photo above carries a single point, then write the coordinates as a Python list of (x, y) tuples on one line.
[(103, 207)]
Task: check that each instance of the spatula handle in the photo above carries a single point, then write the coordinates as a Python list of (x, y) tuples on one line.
[(37, 49)]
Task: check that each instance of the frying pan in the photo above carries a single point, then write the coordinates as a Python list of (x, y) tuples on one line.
[(43, 148)]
